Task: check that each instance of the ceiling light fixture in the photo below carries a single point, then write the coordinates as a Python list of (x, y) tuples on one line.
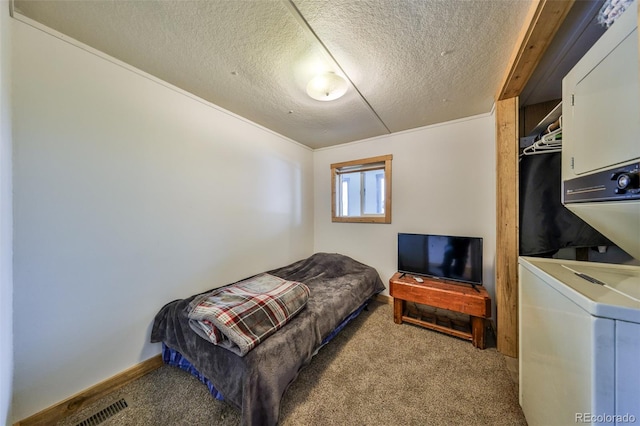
[(327, 87)]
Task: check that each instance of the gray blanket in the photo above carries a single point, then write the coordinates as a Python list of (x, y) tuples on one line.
[(256, 382)]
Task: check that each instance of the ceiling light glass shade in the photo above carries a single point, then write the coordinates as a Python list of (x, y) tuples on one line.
[(327, 87)]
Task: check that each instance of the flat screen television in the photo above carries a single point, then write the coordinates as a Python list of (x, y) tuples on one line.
[(441, 256)]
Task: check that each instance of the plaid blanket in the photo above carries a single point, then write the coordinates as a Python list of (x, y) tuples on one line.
[(240, 316)]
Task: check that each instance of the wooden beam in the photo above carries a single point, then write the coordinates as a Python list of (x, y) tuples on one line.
[(507, 217), (541, 24), (72, 404)]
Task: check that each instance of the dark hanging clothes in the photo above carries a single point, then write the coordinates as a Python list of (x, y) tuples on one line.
[(545, 224)]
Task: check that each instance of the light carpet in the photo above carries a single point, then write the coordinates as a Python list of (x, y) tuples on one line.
[(374, 372)]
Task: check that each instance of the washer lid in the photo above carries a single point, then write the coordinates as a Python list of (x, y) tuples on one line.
[(617, 298), (622, 280)]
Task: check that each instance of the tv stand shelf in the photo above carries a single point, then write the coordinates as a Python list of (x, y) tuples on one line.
[(454, 298)]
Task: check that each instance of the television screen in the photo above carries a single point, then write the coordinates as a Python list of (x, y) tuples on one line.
[(441, 256)]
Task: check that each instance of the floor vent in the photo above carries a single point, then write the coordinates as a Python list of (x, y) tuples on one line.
[(104, 414)]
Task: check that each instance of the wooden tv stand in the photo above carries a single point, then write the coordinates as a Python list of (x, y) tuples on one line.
[(455, 298)]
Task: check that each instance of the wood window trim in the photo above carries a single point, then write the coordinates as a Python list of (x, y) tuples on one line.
[(386, 159)]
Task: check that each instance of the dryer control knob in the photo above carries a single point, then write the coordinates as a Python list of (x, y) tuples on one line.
[(627, 181)]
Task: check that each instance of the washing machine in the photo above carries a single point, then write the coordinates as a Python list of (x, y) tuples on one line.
[(579, 342)]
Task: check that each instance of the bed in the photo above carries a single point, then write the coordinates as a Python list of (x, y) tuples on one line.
[(339, 288)]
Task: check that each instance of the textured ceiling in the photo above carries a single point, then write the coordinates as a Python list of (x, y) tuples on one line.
[(410, 63)]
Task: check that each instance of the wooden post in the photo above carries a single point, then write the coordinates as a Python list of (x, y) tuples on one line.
[(507, 217), (539, 27)]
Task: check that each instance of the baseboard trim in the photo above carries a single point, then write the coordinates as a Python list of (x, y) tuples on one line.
[(74, 403), (384, 299)]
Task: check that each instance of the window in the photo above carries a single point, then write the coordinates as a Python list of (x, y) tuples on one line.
[(361, 190)]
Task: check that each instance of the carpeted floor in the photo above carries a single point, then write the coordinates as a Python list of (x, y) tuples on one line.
[(374, 372)]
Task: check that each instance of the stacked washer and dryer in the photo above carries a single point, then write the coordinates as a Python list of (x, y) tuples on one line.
[(579, 336)]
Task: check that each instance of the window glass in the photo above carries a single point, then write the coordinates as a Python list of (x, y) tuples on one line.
[(361, 190), (344, 208), (373, 192)]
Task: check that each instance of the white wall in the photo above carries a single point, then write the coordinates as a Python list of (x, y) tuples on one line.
[(130, 194), (443, 182), (6, 226)]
